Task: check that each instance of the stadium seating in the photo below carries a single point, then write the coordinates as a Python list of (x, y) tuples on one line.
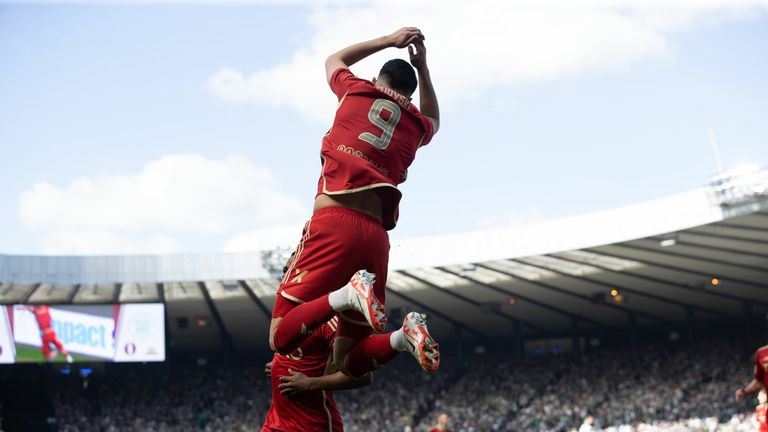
[(663, 386)]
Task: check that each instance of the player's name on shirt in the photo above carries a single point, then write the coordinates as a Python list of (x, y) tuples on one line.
[(401, 100)]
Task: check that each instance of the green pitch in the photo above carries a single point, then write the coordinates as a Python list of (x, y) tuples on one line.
[(28, 354)]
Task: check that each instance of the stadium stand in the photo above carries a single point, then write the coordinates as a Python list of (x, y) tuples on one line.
[(663, 386)]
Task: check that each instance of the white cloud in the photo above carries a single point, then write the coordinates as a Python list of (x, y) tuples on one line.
[(474, 46), (281, 236), (183, 194)]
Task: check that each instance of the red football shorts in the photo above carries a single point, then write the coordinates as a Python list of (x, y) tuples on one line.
[(49, 338), (336, 243)]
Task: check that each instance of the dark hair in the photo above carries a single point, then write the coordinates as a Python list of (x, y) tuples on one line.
[(400, 76)]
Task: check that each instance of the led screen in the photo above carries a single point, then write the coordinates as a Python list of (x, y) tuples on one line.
[(82, 333)]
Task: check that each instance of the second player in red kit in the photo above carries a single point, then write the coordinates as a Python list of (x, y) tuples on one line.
[(340, 266), (761, 410), (50, 342), (311, 410)]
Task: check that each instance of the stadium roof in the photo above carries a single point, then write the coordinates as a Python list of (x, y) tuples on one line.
[(701, 254)]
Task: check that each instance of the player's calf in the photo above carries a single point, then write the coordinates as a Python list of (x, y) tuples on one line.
[(358, 296), (300, 321), (376, 350)]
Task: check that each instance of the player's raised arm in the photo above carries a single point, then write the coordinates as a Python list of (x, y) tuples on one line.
[(753, 387), (354, 53), (298, 382), (428, 99)]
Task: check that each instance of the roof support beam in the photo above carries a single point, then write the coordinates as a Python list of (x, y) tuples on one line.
[(477, 304), (717, 248), (226, 337), (116, 295), (725, 237), (71, 296), (679, 254), (658, 280), (255, 298), (435, 312), (678, 268), (29, 294), (515, 294), (633, 291), (742, 227), (576, 295)]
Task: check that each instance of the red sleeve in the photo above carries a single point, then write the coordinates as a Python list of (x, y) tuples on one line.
[(426, 124), (429, 128), (341, 80), (759, 371)]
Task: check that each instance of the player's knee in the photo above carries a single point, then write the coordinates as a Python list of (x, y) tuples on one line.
[(276, 347), (276, 344), (345, 369), (272, 343)]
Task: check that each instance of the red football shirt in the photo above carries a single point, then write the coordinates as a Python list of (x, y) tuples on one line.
[(760, 411), (761, 366), (43, 317), (372, 142), (309, 411)]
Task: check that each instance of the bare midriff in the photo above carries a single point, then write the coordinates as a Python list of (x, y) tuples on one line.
[(367, 201)]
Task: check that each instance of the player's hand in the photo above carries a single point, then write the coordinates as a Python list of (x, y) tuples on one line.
[(740, 394), (268, 369), (405, 36), (418, 53), (294, 384)]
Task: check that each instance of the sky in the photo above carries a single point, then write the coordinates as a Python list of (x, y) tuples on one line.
[(130, 127)]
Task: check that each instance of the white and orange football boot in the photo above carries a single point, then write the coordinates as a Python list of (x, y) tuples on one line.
[(419, 342), (362, 299)]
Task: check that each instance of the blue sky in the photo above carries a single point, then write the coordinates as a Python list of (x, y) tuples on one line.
[(99, 104)]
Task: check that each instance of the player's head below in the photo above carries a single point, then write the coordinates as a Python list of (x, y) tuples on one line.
[(762, 397), (398, 75), (442, 419)]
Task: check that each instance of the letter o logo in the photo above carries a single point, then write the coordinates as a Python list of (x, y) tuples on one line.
[(130, 348)]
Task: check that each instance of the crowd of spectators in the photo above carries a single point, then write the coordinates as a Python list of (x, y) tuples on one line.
[(186, 399), (670, 387), (655, 385)]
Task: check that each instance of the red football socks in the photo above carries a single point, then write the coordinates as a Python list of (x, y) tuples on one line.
[(370, 354), (299, 323)]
